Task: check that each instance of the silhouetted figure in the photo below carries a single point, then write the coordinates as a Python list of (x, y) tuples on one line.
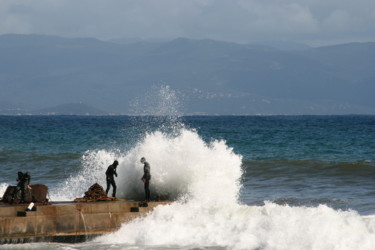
[(110, 177), (23, 183), (146, 178)]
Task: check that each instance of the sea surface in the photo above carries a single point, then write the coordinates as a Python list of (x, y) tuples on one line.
[(238, 182)]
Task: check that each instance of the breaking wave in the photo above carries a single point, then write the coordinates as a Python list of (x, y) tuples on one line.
[(204, 180)]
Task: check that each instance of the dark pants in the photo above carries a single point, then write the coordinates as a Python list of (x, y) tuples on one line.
[(147, 190), (22, 186), (111, 181)]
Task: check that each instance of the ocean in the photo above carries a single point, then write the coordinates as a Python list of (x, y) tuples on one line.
[(237, 182)]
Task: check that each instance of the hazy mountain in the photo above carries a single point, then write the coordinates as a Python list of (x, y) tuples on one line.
[(211, 77), (284, 45), (70, 109)]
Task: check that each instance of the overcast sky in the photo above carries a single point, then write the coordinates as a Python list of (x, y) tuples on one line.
[(314, 22)]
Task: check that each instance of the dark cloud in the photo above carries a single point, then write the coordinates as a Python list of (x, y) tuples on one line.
[(311, 21)]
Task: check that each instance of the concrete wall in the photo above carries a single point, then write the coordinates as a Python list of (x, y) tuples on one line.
[(70, 222)]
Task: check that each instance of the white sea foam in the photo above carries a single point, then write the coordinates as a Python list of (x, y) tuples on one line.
[(181, 165), (237, 226), (204, 179), (159, 101), (3, 187), (94, 164)]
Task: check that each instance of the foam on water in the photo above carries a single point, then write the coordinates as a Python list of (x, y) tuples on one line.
[(235, 226), (204, 178), (3, 187), (181, 165), (207, 176)]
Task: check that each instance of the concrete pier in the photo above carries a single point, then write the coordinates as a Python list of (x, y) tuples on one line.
[(67, 221)]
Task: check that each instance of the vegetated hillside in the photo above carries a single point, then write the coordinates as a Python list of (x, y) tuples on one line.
[(213, 77)]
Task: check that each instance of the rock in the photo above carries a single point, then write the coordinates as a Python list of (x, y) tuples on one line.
[(95, 193)]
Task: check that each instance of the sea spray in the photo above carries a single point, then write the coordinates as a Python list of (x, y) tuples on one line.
[(234, 226), (157, 117), (93, 167), (160, 101), (181, 165), (206, 178), (3, 187)]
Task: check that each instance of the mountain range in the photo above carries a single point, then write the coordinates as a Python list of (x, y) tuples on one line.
[(40, 73)]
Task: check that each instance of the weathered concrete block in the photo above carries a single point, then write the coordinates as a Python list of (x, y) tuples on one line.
[(47, 210), (67, 220), (68, 223), (10, 211), (97, 221), (66, 210), (45, 225)]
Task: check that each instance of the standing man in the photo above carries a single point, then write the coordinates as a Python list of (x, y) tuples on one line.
[(146, 177), (23, 184), (110, 173)]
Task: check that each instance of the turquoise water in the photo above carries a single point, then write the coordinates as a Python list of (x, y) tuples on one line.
[(278, 167)]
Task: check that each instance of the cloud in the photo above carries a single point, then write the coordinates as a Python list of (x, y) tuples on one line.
[(341, 20), (234, 20)]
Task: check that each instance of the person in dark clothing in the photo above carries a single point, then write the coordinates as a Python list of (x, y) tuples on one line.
[(146, 178), (23, 183), (110, 177)]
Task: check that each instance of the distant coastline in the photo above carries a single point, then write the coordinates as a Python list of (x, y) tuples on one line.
[(209, 77)]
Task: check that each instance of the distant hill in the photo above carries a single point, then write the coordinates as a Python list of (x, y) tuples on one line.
[(283, 45), (213, 77), (70, 109)]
